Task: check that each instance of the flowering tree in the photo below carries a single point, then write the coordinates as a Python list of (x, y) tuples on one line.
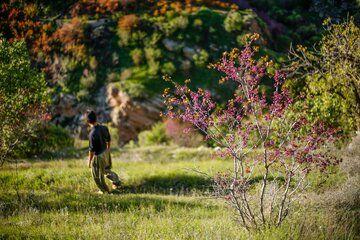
[(272, 148)]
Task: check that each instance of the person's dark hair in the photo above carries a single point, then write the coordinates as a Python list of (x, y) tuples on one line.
[(91, 117)]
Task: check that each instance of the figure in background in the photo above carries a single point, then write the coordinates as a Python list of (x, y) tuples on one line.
[(99, 155)]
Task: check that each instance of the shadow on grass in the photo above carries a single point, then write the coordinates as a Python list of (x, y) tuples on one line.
[(259, 178), (91, 202), (170, 184)]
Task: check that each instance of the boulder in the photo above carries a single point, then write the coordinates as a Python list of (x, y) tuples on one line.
[(114, 106), (170, 45), (130, 116), (185, 65), (189, 52), (97, 32), (67, 111), (97, 22), (65, 105)]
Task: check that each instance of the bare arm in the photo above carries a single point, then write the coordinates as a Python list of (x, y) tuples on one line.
[(108, 144)]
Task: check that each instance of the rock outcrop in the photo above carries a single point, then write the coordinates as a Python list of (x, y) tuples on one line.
[(129, 116), (114, 106), (67, 111), (189, 52), (65, 106), (171, 45)]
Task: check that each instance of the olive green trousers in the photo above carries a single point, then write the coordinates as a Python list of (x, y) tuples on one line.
[(101, 168)]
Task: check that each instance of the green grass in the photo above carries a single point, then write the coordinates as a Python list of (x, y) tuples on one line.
[(163, 198)]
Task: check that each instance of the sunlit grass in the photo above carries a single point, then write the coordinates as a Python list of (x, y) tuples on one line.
[(164, 197)]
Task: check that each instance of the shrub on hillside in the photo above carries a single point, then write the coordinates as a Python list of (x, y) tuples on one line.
[(88, 80), (137, 56), (68, 64), (201, 58), (290, 144), (133, 88), (126, 74), (331, 74), (113, 77), (83, 94), (155, 136), (154, 68), (23, 96), (168, 68), (198, 23), (93, 63), (162, 7), (70, 37), (128, 22), (99, 8), (152, 54), (20, 21), (172, 24), (233, 21), (125, 37), (47, 139)]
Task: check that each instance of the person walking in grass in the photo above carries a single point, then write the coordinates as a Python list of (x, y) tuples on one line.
[(99, 155)]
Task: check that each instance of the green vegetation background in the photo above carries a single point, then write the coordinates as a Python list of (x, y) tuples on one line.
[(164, 195)]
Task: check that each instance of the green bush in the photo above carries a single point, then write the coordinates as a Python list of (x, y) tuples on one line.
[(134, 89), (23, 96), (88, 81), (155, 136), (172, 24), (113, 77), (307, 31), (154, 68), (152, 54), (114, 134), (124, 38), (137, 37), (137, 56), (233, 22), (198, 23), (331, 73), (68, 64), (82, 94), (201, 58), (151, 39), (168, 68), (49, 139), (241, 39), (282, 40)]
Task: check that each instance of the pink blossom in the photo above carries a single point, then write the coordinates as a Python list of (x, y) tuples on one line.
[(250, 120)]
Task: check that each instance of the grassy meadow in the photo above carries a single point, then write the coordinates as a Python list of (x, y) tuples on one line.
[(165, 196)]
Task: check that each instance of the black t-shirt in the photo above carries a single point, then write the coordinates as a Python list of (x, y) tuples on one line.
[(98, 137)]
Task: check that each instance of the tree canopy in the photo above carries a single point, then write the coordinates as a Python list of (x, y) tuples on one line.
[(23, 95), (332, 77)]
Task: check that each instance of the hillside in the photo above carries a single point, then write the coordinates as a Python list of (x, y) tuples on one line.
[(226, 119), (111, 55)]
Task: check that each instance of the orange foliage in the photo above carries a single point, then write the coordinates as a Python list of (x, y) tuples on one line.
[(22, 22), (42, 44), (18, 23), (128, 22), (162, 6), (70, 36), (98, 7)]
